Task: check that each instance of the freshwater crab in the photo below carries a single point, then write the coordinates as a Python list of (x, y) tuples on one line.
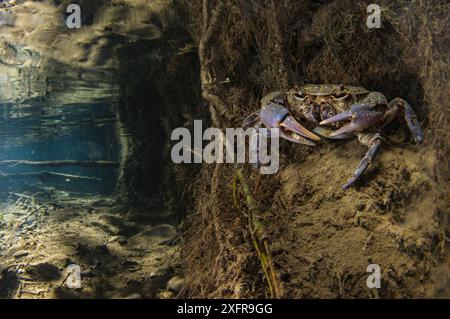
[(340, 112)]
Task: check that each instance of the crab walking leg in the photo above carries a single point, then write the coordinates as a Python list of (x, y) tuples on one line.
[(413, 123), (254, 147), (373, 141), (256, 144), (399, 107), (251, 120)]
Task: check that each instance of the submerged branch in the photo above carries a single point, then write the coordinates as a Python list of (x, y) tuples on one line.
[(61, 163), (258, 234), (47, 174)]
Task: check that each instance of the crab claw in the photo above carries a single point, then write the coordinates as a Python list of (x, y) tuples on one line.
[(326, 132), (362, 116), (337, 118), (276, 116)]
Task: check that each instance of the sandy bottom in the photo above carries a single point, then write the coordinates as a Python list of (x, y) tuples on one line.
[(118, 256)]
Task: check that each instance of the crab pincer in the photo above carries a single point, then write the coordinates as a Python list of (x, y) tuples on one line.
[(362, 116), (274, 115)]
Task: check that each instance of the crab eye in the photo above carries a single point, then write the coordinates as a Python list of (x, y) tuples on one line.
[(299, 96)]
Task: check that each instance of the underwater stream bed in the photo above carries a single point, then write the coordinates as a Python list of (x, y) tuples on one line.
[(81, 180), (60, 166)]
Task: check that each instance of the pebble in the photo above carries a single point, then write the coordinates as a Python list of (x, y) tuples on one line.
[(21, 253), (134, 296), (175, 283), (130, 264), (119, 239), (165, 294), (153, 235)]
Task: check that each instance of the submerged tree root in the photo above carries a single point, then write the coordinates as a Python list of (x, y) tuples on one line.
[(257, 232)]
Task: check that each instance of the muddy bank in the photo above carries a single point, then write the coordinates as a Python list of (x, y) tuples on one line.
[(323, 238)]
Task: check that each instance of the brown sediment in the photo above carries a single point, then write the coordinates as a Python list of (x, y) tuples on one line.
[(323, 238)]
